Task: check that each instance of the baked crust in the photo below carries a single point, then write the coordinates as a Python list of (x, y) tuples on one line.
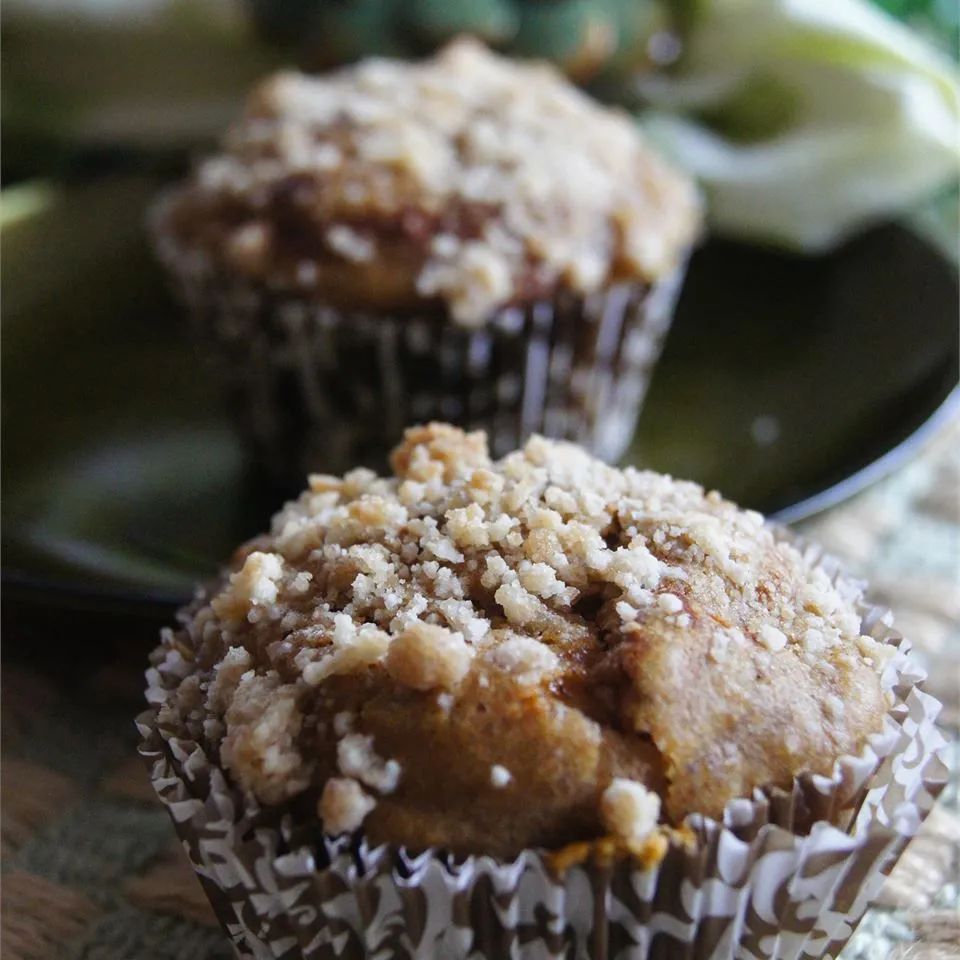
[(466, 181), (521, 653)]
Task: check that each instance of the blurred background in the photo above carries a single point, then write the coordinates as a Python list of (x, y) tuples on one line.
[(816, 97), (814, 347), (825, 138)]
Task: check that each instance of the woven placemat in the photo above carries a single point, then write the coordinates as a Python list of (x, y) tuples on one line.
[(91, 869)]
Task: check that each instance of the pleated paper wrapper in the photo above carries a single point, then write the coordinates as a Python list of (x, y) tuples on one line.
[(314, 388), (786, 874)]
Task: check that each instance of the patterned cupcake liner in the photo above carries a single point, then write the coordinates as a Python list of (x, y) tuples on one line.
[(785, 875), (318, 388)]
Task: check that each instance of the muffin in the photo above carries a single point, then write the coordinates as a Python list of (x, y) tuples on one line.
[(466, 237), (535, 701)]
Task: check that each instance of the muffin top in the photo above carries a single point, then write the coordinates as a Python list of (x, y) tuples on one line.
[(492, 656), (468, 180)]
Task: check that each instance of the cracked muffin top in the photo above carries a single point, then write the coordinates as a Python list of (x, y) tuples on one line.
[(489, 656), (467, 179)]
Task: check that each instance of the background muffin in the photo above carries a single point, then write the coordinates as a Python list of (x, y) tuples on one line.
[(466, 237), (537, 653)]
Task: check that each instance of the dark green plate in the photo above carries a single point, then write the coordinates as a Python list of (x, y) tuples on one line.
[(787, 383)]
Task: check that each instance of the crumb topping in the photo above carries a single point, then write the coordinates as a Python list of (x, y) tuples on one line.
[(343, 805), (482, 179), (630, 811), (500, 776), (357, 758), (428, 657), (540, 620)]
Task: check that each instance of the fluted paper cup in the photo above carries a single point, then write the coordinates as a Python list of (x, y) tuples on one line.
[(784, 875), (317, 388)]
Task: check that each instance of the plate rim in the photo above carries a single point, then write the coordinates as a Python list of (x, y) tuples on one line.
[(96, 597)]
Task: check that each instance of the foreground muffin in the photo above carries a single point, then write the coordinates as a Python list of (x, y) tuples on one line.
[(466, 237), (577, 671)]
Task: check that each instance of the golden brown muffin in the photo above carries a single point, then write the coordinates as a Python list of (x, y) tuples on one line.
[(492, 656), (468, 179)]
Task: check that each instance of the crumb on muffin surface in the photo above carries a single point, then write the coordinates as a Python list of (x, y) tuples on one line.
[(495, 655), (467, 179)]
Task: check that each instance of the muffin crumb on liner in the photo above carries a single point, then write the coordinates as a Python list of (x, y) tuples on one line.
[(774, 879)]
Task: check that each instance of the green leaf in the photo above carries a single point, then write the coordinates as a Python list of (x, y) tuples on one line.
[(578, 35), (493, 21), (805, 120)]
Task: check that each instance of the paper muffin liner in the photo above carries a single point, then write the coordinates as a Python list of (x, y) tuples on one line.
[(313, 387), (784, 875)]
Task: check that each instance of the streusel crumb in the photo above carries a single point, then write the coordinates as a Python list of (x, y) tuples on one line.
[(466, 178), (343, 805), (629, 811), (614, 646), (427, 657)]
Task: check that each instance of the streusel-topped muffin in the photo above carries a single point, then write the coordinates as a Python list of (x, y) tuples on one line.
[(490, 656), (467, 178), (466, 238)]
